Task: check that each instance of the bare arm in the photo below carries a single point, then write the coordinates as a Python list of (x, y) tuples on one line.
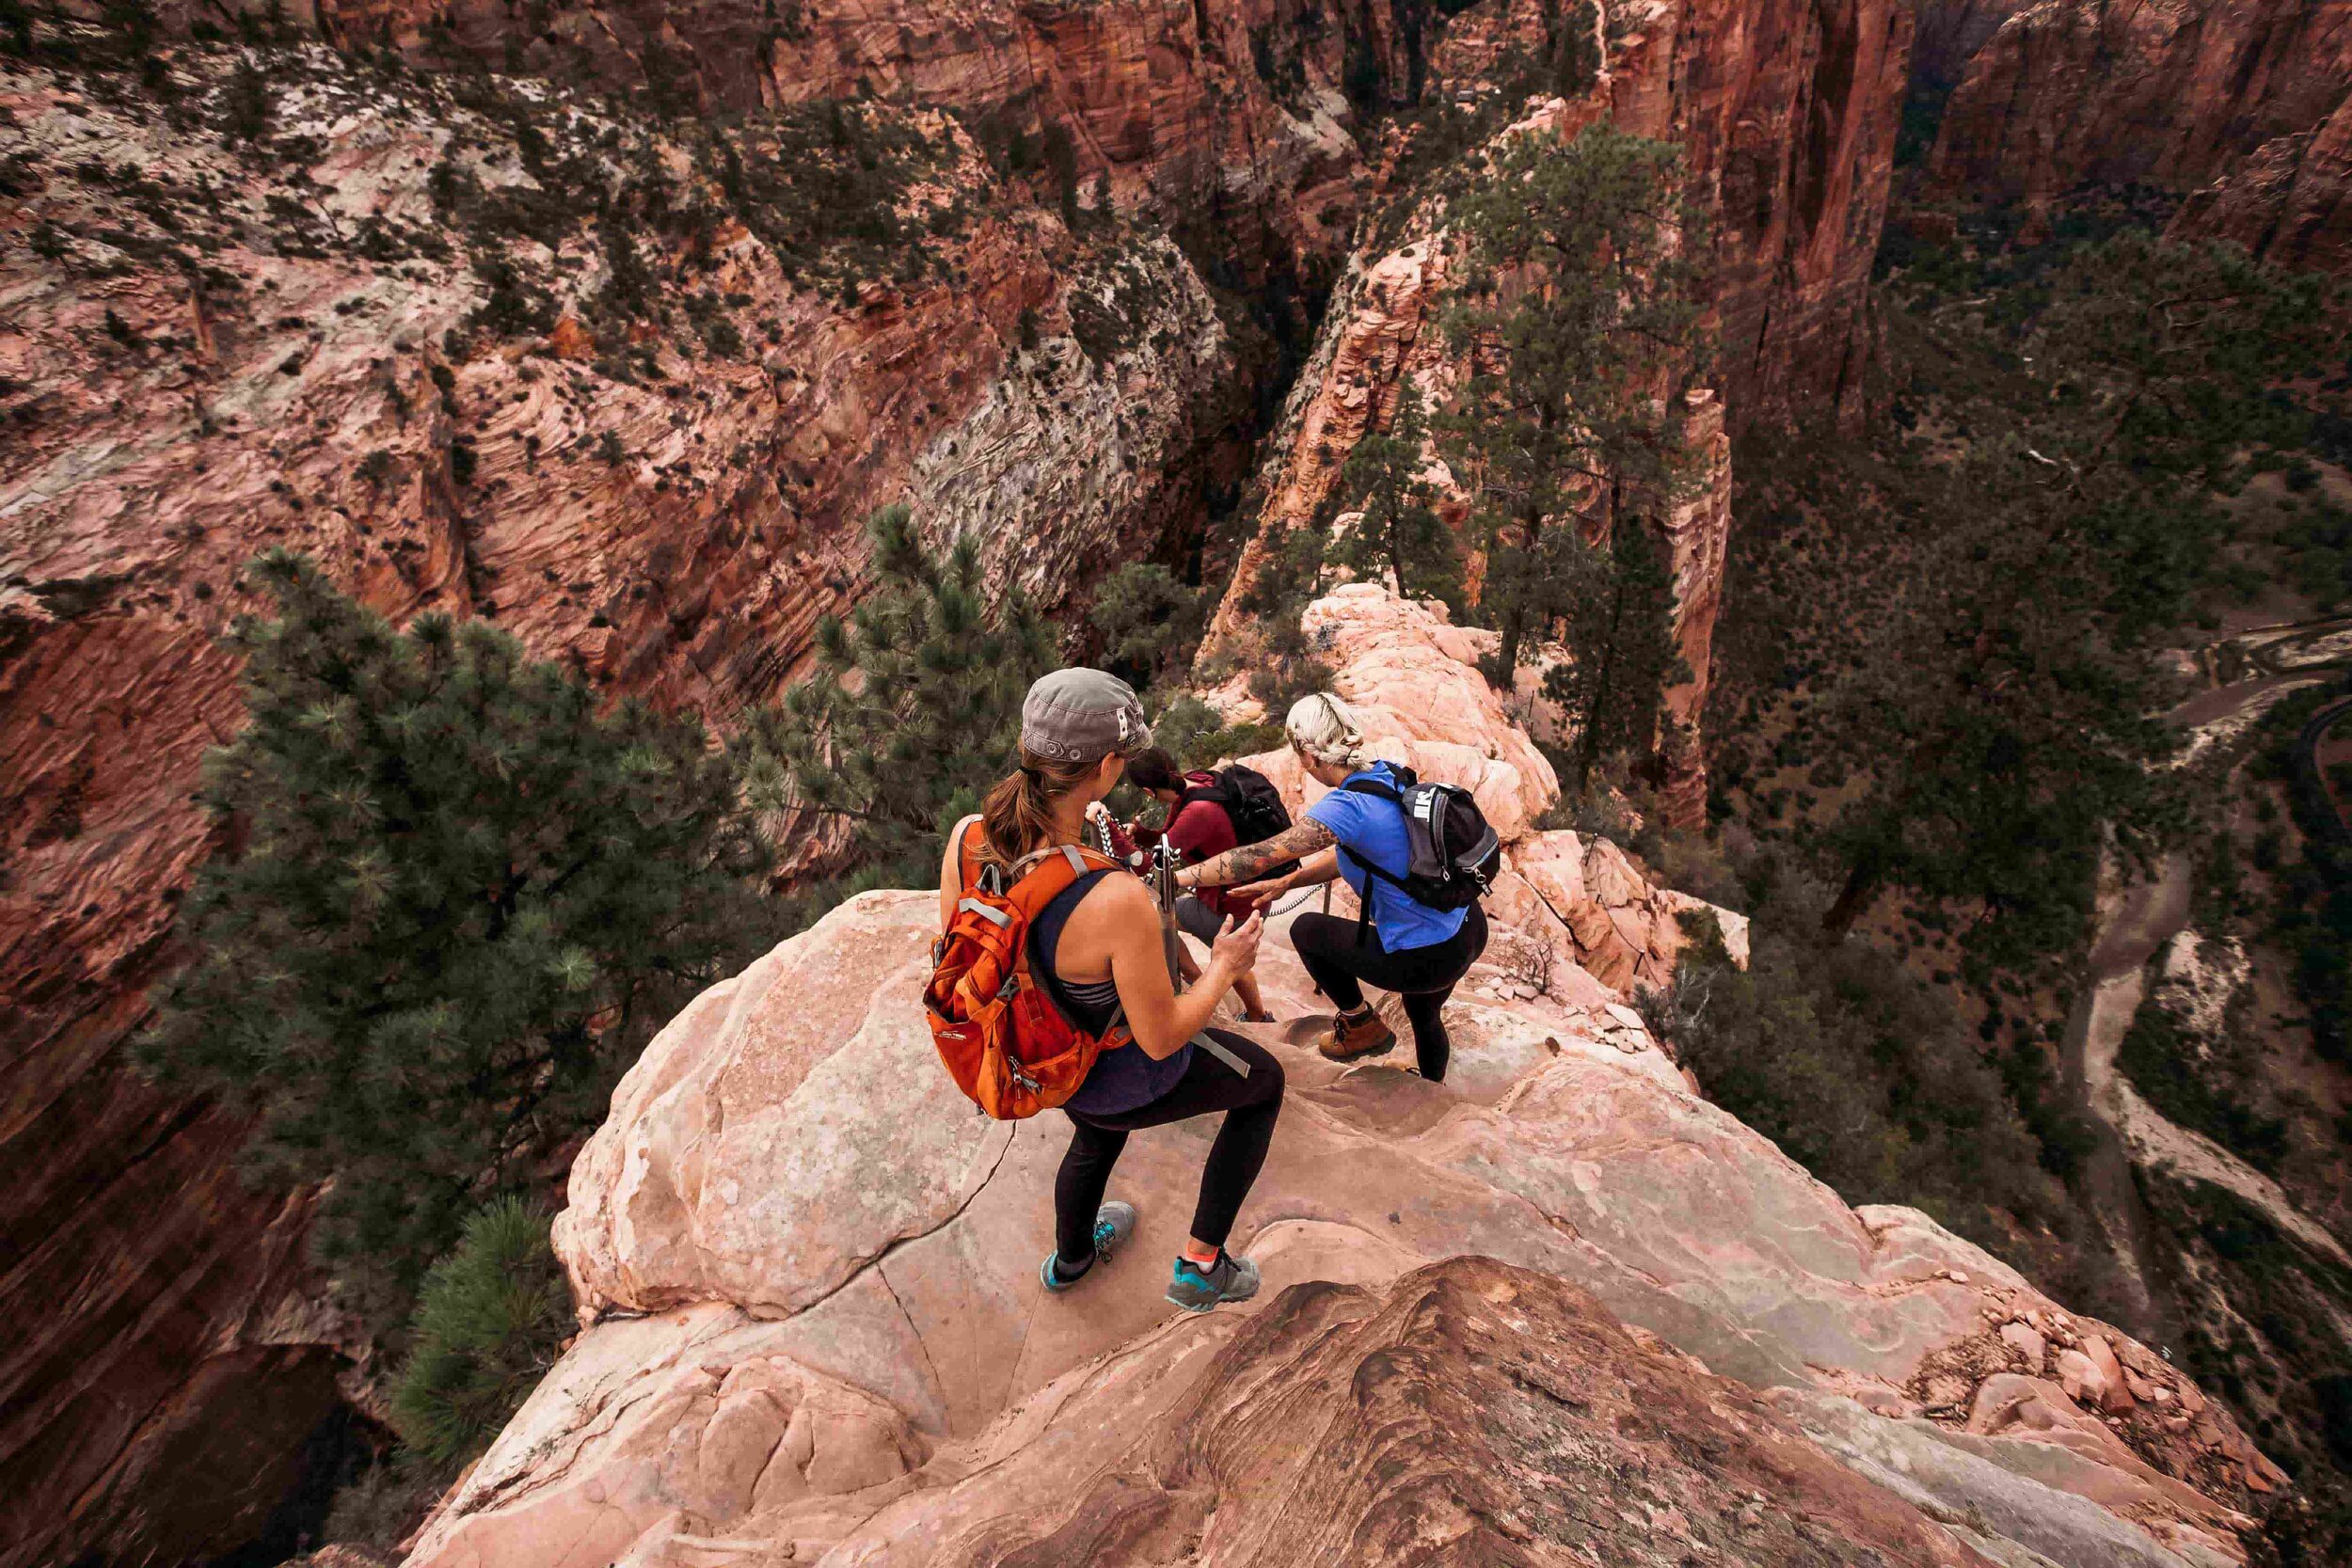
[(951, 872), (1301, 839), (1315, 869), (1320, 867), (1129, 928)]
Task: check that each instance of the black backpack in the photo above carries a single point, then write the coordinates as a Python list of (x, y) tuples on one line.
[(1250, 802), (1455, 855)]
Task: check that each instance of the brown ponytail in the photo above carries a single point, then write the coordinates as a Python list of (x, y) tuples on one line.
[(1018, 817)]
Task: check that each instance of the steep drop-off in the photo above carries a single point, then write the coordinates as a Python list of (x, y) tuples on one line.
[(1788, 117), (355, 336), (339, 302), (813, 1330)]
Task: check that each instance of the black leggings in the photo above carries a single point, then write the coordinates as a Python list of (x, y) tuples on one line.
[(1250, 1104), (1425, 976)]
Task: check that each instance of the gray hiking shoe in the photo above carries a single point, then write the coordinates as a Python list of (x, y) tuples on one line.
[(1113, 1224), (1229, 1279)]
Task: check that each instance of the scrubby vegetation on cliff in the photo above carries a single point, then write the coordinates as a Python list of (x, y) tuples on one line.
[(912, 712), (1836, 1052), (490, 1319), (1580, 310), (1575, 316), (453, 900), (1943, 679)]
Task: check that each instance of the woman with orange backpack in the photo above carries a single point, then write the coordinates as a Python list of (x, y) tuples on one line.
[(1095, 949)]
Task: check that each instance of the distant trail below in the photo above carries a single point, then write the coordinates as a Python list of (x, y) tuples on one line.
[(2137, 920), (2307, 757), (2145, 917)]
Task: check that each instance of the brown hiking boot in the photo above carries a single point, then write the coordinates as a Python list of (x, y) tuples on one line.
[(1357, 1034)]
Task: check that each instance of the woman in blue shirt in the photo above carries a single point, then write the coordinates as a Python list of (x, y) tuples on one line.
[(1416, 951)]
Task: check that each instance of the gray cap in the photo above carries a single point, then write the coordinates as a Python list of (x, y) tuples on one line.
[(1080, 715)]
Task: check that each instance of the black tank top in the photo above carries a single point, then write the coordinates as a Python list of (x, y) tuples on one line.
[(1092, 1006), (1123, 1079)]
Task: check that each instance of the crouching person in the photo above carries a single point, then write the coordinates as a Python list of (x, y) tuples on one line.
[(1096, 950), (1201, 810), (1358, 832)]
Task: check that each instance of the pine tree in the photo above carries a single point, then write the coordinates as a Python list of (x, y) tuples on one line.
[(457, 899), (1580, 311), (490, 1319), (1620, 642), (914, 712), (1147, 619), (2013, 703), (1290, 574), (1401, 531)]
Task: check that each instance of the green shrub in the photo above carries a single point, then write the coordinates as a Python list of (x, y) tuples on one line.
[(1286, 678), (490, 1319), (1859, 1072), (2157, 1055), (914, 709), (1193, 733), (1147, 619), (461, 894)]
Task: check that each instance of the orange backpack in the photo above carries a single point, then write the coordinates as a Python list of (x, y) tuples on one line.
[(1005, 1041)]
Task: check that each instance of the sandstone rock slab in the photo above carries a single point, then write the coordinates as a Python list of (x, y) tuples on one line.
[(1592, 1168)]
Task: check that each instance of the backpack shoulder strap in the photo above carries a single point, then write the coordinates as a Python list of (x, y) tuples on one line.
[(1045, 875), (1382, 872), (1378, 790), (970, 842)]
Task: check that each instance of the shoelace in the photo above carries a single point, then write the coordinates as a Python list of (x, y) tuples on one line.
[(1106, 1235)]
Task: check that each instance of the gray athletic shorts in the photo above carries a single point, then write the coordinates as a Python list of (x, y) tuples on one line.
[(1196, 920)]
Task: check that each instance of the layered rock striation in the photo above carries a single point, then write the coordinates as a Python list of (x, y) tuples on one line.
[(1558, 1305), (339, 302), (1237, 117), (1788, 122), (381, 327), (2289, 200)]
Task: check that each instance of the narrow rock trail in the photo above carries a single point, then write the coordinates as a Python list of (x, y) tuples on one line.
[(812, 1333), (2136, 922), (2145, 918)]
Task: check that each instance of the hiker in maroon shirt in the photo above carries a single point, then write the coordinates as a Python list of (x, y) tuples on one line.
[(1199, 828)]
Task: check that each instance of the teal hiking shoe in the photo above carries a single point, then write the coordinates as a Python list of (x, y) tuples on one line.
[(1229, 1279), (1113, 1224)]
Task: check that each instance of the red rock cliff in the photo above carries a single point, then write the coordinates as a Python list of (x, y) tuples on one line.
[(1789, 116), (215, 342), (2178, 94), (1234, 114), (214, 346)]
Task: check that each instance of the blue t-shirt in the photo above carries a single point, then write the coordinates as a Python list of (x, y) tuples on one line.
[(1375, 828)]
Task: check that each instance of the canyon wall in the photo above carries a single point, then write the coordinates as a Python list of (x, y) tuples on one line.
[(216, 344), (2289, 200), (1242, 120), (366, 310), (1788, 117), (1233, 118), (2245, 97)]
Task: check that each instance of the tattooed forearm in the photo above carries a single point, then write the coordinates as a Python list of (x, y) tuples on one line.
[(1247, 863)]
